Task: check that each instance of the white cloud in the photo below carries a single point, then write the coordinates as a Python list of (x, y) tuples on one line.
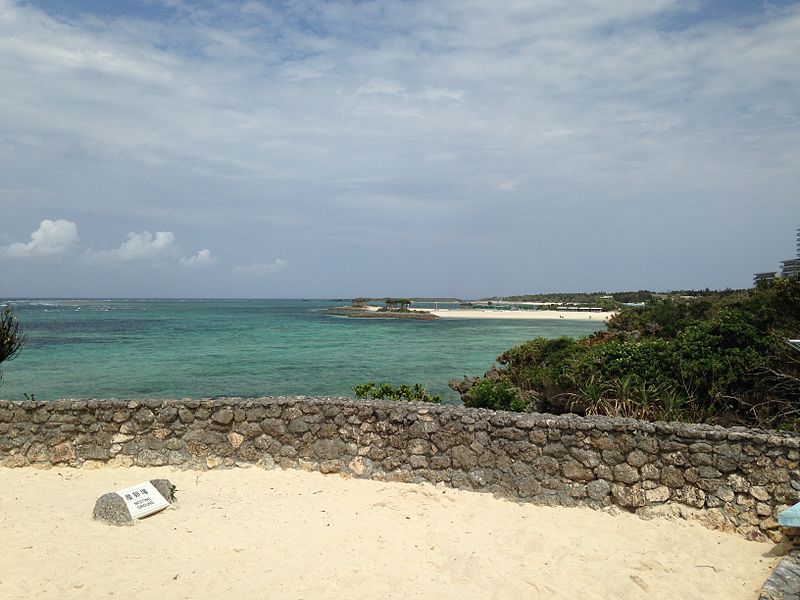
[(145, 245), (257, 269), (508, 185), (202, 258), (283, 109), (51, 238), (160, 248), (381, 86)]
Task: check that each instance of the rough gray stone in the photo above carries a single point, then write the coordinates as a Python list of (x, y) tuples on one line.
[(463, 458), (637, 458), (577, 472), (299, 425), (784, 582), (328, 449), (588, 458), (650, 471), (166, 488), (625, 473), (546, 464), (629, 496), (598, 490), (144, 416), (223, 416), (112, 510), (529, 487), (759, 493), (185, 415), (418, 446)]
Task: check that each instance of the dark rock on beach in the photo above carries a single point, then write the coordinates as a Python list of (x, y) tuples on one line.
[(111, 509)]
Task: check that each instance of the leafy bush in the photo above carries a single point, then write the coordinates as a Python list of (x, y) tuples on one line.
[(11, 336), (403, 392), (714, 358), (496, 394)]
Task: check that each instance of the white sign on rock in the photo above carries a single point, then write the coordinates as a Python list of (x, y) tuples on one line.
[(143, 500)]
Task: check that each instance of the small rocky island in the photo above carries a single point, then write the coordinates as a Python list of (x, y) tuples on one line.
[(393, 308)]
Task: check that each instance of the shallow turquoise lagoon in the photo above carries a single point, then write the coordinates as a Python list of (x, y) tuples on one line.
[(206, 348)]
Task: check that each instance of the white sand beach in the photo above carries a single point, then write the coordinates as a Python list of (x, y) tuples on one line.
[(486, 313), (491, 313), (253, 533)]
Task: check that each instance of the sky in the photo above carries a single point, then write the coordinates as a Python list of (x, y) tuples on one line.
[(318, 149)]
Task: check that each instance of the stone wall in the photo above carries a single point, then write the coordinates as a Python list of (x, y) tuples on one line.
[(735, 479)]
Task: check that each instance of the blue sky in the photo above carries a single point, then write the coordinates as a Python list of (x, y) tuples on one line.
[(333, 149)]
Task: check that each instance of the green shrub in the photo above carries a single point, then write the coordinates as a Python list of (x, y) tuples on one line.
[(495, 394), (403, 392), (11, 336), (715, 358)]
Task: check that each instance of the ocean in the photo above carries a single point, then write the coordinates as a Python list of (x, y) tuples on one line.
[(134, 349)]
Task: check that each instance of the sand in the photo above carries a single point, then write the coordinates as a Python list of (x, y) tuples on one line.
[(490, 313), (479, 313), (254, 533)]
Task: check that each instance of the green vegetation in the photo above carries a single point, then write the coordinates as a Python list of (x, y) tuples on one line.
[(495, 394), (11, 336), (396, 304), (609, 300), (718, 358), (404, 392)]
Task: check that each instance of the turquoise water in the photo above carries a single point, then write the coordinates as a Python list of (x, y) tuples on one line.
[(205, 348)]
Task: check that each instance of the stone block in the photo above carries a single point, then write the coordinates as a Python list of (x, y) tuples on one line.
[(222, 416), (650, 471), (575, 471), (625, 473), (235, 439), (273, 427), (628, 496), (151, 458), (658, 494), (328, 449), (418, 462), (546, 464), (361, 467), (637, 458), (759, 493), (418, 446), (93, 452), (330, 466), (528, 487), (463, 458), (185, 415), (738, 483), (598, 490), (144, 416), (63, 452), (299, 425), (588, 458), (556, 450)]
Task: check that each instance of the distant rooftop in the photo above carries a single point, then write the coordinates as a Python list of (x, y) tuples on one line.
[(790, 269)]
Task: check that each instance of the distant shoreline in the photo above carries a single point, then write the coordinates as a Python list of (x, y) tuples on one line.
[(476, 313)]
